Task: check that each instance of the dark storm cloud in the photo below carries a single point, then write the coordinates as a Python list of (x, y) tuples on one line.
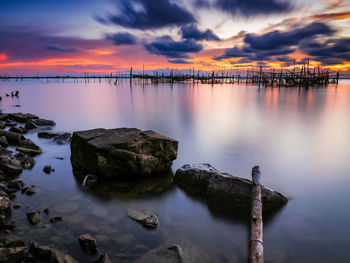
[(166, 46), (179, 61), (273, 44), (277, 39), (36, 44), (61, 49), (148, 14), (332, 51), (122, 39), (192, 32), (248, 7)]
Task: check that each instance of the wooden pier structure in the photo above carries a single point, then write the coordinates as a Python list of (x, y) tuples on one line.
[(304, 76)]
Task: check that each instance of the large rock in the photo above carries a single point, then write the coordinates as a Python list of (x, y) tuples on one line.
[(122, 152), (224, 191)]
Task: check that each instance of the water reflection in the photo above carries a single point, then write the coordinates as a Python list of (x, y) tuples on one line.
[(127, 189), (298, 137)]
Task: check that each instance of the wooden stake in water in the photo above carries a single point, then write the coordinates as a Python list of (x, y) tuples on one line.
[(256, 248)]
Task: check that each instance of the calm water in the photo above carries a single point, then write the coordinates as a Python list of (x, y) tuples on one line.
[(300, 139)]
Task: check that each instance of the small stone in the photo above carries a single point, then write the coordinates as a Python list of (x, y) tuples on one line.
[(147, 219), (16, 206), (5, 204), (29, 147), (10, 124), (34, 217), (63, 138), (47, 135), (55, 219), (26, 161), (16, 185), (88, 244), (30, 125), (47, 169), (47, 211), (19, 130), (43, 122), (3, 141), (29, 190), (59, 158)]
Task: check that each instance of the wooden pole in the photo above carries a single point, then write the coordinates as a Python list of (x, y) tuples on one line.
[(256, 248)]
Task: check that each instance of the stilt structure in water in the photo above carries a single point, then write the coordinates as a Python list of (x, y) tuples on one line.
[(304, 76)]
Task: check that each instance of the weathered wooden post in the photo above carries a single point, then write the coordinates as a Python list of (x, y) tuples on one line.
[(256, 248)]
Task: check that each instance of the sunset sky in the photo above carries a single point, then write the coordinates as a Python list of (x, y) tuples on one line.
[(107, 36)]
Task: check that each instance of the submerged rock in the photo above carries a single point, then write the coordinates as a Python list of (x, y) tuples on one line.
[(122, 152), (88, 244), (146, 219), (102, 259), (59, 138), (167, 254), (224, 191), (55, 219), (179, 250), (29, 190), (37, 253)]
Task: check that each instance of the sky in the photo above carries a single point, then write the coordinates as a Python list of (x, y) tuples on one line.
[(44, 37)]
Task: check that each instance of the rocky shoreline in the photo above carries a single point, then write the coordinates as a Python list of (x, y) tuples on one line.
[(101, 156), (13, 126)]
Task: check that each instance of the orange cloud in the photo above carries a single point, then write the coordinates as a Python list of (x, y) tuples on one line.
[(333, 16), (3, 57)]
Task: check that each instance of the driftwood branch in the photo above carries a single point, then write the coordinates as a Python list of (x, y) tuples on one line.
[(256, 248)]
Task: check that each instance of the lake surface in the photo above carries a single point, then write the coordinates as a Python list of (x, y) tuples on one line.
[(299, 137)]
